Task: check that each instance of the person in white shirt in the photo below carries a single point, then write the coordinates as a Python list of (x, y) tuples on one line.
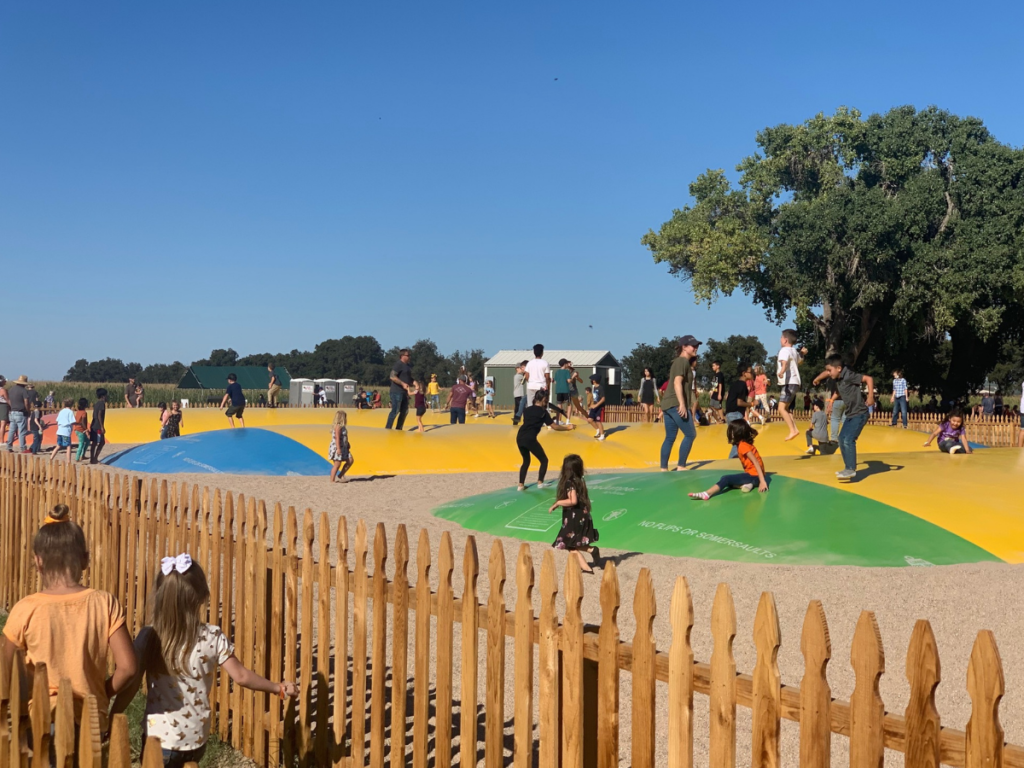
[(538, 373), (789, 378)]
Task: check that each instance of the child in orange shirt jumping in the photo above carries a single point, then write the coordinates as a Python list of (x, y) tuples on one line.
[(68, 627), (742, 435)]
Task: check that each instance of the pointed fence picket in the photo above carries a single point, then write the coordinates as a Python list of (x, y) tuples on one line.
[(298, 610)]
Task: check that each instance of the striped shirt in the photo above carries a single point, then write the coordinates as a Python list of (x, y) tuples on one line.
[(899, 387)]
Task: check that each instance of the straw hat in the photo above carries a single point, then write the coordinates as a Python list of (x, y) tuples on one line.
[(21, 380)]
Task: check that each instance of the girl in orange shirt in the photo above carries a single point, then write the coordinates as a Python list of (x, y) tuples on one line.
[(742, 435), (68, 627)]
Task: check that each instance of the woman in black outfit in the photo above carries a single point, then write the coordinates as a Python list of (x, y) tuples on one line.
[(535, 418), (648, 394)]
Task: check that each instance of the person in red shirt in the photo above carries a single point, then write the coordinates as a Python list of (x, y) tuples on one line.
[(457, 398), (740, 434)]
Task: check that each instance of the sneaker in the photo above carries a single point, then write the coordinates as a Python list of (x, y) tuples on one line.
[(597, 433), (545, 485), (847, 474), (600, 437), (809, 451), (521, 487), (747, 487)]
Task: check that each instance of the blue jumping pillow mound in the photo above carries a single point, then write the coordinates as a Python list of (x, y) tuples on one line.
[(226, 451)]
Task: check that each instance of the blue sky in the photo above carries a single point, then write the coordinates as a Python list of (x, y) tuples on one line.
[(176, 177)]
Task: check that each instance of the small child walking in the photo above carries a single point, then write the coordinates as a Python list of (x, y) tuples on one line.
[(65, 425), (81, 428), (175, 420), (179, 655), (67, 626), (340, 452), (595, 404), (36, 426), (577, 534), (742, 435), (434, 390), (952, 434), (164, 413), (819, 427), (489, 397), (420, 401)]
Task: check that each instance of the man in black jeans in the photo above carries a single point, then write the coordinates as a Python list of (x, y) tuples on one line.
[(401, 380)]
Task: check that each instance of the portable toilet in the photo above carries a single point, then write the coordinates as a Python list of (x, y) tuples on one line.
[(347, 389), (300, 393), (330, 389)]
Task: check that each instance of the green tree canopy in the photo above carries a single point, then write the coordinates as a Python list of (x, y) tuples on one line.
[(900, 230)]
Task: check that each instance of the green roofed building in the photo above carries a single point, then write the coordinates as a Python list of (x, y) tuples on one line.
[(216, 377), (502, 367)]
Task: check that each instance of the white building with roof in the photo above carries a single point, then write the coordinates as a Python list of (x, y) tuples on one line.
[(587, 362)]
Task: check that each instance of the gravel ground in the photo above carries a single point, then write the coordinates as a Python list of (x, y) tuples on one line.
[(958, 600)]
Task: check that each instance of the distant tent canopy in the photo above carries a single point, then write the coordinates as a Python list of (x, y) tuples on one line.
[(216, 377)]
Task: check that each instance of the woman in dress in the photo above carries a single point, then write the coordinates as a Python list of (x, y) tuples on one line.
[(648, 394), (340, 452)]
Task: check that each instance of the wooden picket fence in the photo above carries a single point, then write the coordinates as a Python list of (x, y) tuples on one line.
[(341, 626), (30, 731)]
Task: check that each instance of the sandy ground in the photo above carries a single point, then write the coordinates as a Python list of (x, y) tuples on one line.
[(959, 600)]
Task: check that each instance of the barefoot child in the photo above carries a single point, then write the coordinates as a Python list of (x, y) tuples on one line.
[(340, 452), (789, 378), (175, 420), (434, 390), (952, 434), (162, 417), (595, 404), (68, 627), (819, 427), (179, 655), (742, 435), (81, 428), (578, 532)]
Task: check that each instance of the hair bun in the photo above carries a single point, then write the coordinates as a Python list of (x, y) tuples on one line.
[(60, 513)]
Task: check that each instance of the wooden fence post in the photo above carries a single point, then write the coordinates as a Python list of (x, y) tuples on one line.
[(815, 694), (359, 606), (341, 623), (767, 685), (400, 649), (445, 649), (986, 686), (680, 679), (378, 663), (523, 691), (572, 667), (608, 671), (723, 680), (421, 682), (924, 675), (867, 710), (644, 679), (548, 692), (470, 642), (494, 695)]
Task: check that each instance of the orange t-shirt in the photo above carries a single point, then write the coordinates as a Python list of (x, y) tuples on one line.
[(748, 465), (70, 634)]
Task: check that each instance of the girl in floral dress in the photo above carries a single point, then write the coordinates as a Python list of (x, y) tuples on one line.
[(578, 533), (340, 452)]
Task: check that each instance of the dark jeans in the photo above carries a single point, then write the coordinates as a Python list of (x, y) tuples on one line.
[(37, 441), (399, 408), (525, 449), (520, 407), (848, 438), (177, 759), (740, 479), (674, 424), (899, 406), (948, 445), (457, 415)]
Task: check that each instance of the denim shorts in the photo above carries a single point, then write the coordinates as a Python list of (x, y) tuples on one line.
[(63, 441)]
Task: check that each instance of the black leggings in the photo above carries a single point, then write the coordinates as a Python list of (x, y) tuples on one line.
[(526, 449)]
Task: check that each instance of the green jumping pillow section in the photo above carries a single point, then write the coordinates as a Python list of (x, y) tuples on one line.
[(796, 522)]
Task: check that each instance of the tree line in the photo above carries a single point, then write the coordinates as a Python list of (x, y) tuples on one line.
[(352, 357), (897, 240)]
